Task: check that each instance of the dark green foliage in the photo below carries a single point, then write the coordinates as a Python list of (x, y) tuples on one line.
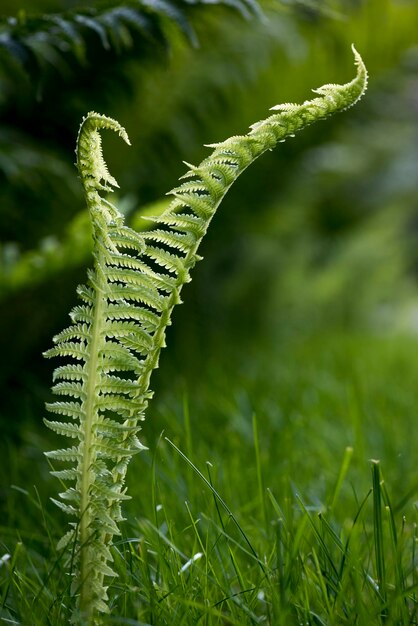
[(64, 41)]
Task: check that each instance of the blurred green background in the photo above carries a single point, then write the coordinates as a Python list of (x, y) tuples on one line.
[(318, 237)]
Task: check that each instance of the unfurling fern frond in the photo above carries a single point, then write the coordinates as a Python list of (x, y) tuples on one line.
[(117, 333)]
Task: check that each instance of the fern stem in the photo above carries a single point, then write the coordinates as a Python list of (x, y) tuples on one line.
[(89, 455)]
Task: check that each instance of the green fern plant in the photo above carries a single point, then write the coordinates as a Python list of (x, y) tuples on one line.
[(118, 330)]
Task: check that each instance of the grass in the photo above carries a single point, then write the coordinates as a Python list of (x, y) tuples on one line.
[(262, 502)]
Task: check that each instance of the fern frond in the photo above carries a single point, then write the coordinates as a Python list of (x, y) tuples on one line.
[(69, 454), (69, 409), (78, 331), (67, 429), (145, 295), (176, 241), (65, 474), (69, 372), (70, 510), (71, 495), (119, 331), (68, 348), (124, 310), (86, 294), (114, 356), (185, 224), (68, 537), (109, 425), (165, 259), (69, 388)]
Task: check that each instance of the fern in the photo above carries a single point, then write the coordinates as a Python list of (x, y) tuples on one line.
[(118, 330)]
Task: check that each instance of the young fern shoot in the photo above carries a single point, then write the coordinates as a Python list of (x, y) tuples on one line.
[(118, 330)]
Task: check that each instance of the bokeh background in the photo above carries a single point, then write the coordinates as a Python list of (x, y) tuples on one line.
[(318, 240)]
